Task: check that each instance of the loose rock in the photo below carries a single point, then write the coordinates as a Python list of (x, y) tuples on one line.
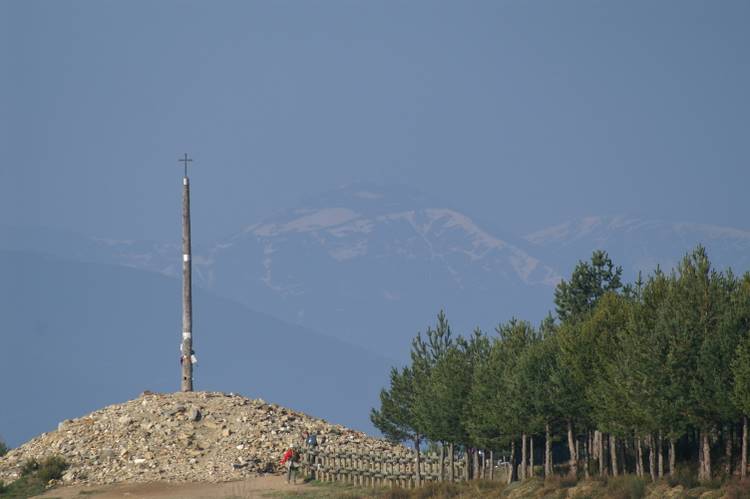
[(184, 436)]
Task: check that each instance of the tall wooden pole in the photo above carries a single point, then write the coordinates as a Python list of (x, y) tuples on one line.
[(187, 297)]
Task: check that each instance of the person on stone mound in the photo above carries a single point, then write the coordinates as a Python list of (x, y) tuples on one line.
[(291, 461)]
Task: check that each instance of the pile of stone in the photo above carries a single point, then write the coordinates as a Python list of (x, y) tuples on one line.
[(197, 436)]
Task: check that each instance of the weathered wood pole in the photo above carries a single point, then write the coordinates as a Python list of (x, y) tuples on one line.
[(187, 296)]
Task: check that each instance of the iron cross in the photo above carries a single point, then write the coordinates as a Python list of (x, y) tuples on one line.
[(185, 160)]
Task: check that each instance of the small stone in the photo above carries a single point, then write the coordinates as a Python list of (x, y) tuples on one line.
[(194, 414)]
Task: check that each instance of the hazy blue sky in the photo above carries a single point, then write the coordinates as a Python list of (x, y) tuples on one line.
[(522, 114)]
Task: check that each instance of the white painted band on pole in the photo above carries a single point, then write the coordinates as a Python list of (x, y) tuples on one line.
[(184, 181), (186, 335), (185, 258)]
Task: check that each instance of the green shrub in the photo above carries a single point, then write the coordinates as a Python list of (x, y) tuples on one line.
[(51, 468), (684, 475), (29, 467), (35, 475), (3, 448)]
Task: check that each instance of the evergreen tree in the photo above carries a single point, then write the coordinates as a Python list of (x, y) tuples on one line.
[(589, 281), (396, 418), (741, 369), (575, 300)]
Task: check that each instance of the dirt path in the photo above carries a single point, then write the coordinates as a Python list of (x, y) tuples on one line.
[(249, 488)]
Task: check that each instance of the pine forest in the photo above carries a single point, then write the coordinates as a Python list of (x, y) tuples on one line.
[(649, 378)]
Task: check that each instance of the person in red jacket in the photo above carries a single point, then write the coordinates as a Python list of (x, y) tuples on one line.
[(290, 459)]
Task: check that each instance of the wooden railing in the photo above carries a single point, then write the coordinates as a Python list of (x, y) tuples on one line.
[(383, 470)]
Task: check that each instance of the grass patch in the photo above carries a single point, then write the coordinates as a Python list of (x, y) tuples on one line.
[(436, 490), (557, 482), (625, 487), (556, 487), (737, 489)]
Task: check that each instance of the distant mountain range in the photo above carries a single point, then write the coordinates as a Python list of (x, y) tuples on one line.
[(77, 336), (373, 265), (637, 244), (344, 282)]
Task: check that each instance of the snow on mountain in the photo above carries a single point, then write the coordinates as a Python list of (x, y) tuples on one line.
[(373, 265), (396, 259), (639, 244)]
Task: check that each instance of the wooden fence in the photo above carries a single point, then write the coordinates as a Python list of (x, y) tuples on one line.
[(386, 470)]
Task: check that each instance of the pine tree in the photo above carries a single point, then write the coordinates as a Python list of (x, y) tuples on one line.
[(396, 418), (589, 281), (741, 369)]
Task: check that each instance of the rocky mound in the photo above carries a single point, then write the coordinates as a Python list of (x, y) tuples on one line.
[(196, 436)]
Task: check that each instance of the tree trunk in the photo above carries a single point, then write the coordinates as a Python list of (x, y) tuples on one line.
[(638, 457), (419, 462), (531, 456), (700, 454), (522, 468), (728, 450), (467, 465), (572, 448), (660, 454), (475, 469), (587, 451), (512, 462), (547, 451), (600, 454), (442, 461), (451, 462), (705, 451), (672, 457), (743, 470), (651, 458), (492, 465), (613, 454)]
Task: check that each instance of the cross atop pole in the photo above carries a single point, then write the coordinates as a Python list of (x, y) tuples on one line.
[(185, 160)]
